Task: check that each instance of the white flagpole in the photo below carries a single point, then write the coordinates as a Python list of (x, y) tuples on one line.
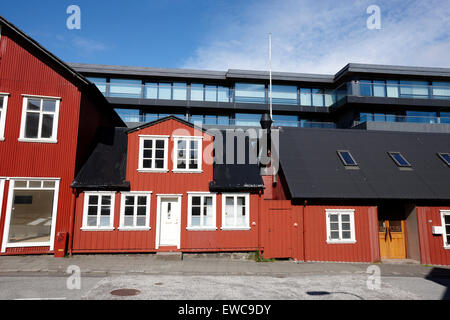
[(270, 73)]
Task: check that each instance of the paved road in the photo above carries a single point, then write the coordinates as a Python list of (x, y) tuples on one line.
[(185, 287)]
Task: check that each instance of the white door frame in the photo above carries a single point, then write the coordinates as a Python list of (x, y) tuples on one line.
[(8, 217), (158, 217)]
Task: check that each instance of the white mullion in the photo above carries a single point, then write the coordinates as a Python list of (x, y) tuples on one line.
[(41, 115), (202, 217), (175, 156), (135, 211), (99, 206)]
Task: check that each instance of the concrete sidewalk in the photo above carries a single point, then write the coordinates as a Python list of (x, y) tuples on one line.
[(141, 264)]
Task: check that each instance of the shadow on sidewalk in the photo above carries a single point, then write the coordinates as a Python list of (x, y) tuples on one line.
[(442, 277)]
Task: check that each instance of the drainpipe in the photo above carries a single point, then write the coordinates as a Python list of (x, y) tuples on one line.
[(304, 231), (73, 207), (259, 223)]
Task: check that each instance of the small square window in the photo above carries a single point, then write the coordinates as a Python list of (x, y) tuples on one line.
[(201, 211), (98, 211), (340, 226), (135, 211), (39, 119)]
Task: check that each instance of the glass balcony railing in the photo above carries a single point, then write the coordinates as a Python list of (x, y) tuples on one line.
[(134, 116), (403, 119), (404, 89), (219, 94)]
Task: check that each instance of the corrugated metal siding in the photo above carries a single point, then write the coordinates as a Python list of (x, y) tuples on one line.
[(431, 246), (316, 247), (167, 183), (23, 73)]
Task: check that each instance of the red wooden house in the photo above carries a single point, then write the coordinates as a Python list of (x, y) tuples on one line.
[(48, 117), (156, 188)]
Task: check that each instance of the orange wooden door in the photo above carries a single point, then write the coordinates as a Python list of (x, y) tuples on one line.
[(392, 239)]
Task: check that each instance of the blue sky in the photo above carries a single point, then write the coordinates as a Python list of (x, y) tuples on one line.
[(312, 36)]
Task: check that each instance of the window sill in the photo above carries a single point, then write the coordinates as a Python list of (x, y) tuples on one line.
[(187, 171), (201, 229), (37, 140), (2, 138), (97, 229), (153, 170), (235, 228), (341, 242), (134, 229)]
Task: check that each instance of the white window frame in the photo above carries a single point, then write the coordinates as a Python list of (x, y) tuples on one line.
[(444, 231), (247, 212), (85, 226), (54, 137), (148, 195), (9, 206), (142, 138), (339, 212), (202, 227), (2, 191), (188, 139), (5, 97)]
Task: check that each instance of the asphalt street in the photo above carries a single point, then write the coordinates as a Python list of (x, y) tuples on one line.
[(185, 287)]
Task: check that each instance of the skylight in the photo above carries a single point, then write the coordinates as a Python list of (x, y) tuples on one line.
[(399, 159), (347, 158), (445, 157)]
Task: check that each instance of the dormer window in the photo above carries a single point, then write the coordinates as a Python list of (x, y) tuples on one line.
[(153, 153), (187, 154)]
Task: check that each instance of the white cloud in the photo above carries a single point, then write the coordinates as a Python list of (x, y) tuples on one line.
[(323, 36)]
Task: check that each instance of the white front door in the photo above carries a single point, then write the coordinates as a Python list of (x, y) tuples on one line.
[(170, 222)]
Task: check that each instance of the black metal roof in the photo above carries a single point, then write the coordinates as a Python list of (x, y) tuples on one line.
[(105, 168), (254, 75), (237, 171), (313, 170)]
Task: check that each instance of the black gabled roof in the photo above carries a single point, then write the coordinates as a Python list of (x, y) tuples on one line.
[(313, 170), (235, 175), (105, 168)]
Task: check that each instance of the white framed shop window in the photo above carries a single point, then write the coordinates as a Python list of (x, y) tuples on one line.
[(236, 211), (445, 216), (40, 117), (98, 211), (31, 213), (201, 211), (3, 108), (340, 225), (135, 211), (2, 191)]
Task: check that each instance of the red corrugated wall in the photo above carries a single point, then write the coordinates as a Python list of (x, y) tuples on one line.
[(364, 250), (167, 183), (431, 246), (23, 72)]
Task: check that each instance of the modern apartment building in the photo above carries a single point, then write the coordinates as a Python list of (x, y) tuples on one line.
[(371, 97)]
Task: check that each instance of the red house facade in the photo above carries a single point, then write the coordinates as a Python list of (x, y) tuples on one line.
[(48, 118), (70, 168)]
